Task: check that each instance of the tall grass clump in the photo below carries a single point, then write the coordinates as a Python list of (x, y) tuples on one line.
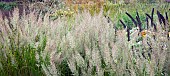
[(92, 46), (81, 45), (19, 54)]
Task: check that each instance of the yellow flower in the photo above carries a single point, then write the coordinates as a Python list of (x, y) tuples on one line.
[(143, 33), (75, 7)]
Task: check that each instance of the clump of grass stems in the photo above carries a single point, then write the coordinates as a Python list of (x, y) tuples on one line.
[(81, 45), (19, 57)]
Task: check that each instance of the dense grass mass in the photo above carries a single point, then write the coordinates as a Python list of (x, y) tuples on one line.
[(86, 43)]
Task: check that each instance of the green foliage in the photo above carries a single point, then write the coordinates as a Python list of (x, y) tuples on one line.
[(19, 60), (64, 69), (62, 13), (129, 22), (7, 6)]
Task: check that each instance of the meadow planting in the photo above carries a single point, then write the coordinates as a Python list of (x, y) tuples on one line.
[(102, 39)]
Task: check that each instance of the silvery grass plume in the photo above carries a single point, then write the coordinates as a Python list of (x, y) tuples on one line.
[(155, 42), (19, 44), (93, 34), (85, 45), (32, 30)]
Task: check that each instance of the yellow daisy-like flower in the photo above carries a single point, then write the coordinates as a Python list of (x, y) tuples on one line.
[(143, 33)]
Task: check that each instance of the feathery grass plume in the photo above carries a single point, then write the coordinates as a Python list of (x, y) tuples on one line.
[(134, 21), (168, 36), (82, 45), (148, 15), (23, 52), (124, 26), (1, 34), (108, 19), (147, 23), (128, 33), (152, 13), (137, 14), (127, 30), (139, 21), (151, 17), (161, 18), (152, 24), (155, 28), (166, 14)]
